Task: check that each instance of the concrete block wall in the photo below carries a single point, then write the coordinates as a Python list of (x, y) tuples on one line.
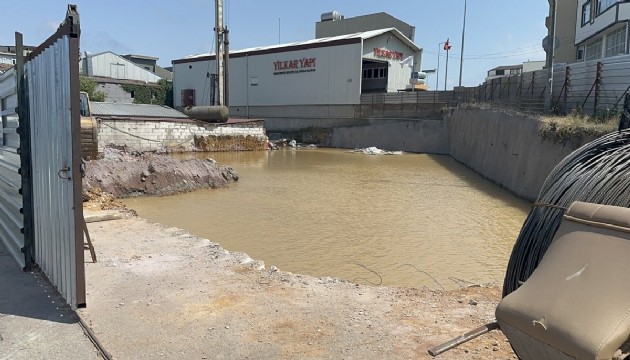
[(152, 135)]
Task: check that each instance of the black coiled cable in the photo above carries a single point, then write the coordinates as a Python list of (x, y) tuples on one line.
[(598, 172)]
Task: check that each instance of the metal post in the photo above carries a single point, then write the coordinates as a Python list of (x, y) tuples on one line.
[(226, 65), (26, 169), (598, 82), (553, 55), (446, 72), (461, 56), (219, 54), (437, 72)]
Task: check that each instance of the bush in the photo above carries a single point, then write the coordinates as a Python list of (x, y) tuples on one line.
[(577, 125), (160, 94), (89, 86)]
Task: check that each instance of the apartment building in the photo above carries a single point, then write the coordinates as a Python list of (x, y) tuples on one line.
[(601, 29), (565, 51)]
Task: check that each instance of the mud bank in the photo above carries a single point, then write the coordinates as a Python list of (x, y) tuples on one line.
[(125, 173)]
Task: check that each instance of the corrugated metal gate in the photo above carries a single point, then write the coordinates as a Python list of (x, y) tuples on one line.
[(11, 218), (41, 211)]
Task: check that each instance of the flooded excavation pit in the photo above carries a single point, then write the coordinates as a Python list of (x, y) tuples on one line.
[(407, 220)]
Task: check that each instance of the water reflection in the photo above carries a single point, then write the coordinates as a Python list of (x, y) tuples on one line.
[(320, 212)]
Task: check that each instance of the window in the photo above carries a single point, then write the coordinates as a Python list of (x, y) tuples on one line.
[(379, 73), (499, 72), (586, 13), (603, 5), (593, 51), (580, 53), (616, 42)]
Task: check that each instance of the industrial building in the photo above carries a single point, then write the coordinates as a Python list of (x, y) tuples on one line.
[(319, 78)]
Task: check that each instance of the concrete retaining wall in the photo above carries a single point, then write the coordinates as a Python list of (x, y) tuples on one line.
[(506, 149), (422, 136), (150, 135)]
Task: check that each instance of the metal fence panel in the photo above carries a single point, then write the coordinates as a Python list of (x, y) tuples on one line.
[(53, 90), (11, 218)]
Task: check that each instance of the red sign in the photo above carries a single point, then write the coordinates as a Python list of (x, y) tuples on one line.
[(394, 55), (294, 66)]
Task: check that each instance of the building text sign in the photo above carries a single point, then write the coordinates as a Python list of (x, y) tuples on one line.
[(294, 66), (382, 53)]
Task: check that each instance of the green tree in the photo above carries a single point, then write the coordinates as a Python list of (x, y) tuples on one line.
[(89, 86)]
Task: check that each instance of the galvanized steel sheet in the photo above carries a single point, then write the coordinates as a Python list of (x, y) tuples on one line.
[(49, 90), (11, 218)]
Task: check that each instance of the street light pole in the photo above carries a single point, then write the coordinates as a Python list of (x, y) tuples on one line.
[(437, 72), (461, 56)]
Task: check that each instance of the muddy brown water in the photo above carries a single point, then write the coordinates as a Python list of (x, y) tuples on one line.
[(413, 220)]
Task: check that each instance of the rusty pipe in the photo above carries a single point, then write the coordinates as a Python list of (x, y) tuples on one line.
[(437, 350)]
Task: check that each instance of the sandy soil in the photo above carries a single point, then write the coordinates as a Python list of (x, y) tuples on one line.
[(159, 292)]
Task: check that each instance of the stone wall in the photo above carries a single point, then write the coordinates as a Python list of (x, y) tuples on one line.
[(153, 135)]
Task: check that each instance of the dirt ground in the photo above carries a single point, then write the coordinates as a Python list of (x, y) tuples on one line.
[(124, 172), (160, 292)]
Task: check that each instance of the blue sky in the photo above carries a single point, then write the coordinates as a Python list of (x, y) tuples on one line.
[(498, 32)]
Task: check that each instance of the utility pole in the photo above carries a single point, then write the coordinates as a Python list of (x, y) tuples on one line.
[(552, 52), (446, 72), (219, 30), (437, 73), (461, 56)]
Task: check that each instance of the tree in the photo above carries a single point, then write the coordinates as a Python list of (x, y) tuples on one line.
[(89, 86)]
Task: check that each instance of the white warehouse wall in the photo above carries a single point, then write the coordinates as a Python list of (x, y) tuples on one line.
[(398, 76), (255, 81), (110, 65)]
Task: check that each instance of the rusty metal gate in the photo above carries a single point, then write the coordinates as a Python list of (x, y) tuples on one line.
[(41, 211)]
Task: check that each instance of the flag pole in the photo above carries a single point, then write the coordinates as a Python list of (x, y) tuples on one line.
[(447, 48)]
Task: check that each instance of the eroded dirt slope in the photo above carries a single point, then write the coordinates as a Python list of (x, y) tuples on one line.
[(123, 173)]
